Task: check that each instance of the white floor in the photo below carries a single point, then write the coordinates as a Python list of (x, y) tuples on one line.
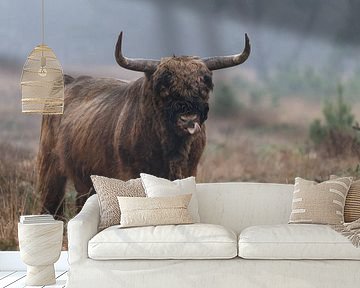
[(13, 271), (16, 279)]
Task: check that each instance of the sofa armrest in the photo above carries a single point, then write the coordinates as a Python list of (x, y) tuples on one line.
[(82, 228)]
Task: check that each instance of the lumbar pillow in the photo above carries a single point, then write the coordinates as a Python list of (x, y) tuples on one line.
[(320, 203), (107, 190), (352, 202), (140, 211), (160, 187)]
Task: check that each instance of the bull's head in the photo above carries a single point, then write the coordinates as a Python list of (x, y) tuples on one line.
[(182, 84)]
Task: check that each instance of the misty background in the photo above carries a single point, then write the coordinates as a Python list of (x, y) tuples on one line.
[(305, 54), (322, 34)]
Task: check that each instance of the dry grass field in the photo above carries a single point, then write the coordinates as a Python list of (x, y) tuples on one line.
[(263, 143)]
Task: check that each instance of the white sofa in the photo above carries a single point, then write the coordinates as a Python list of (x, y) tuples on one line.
[(250, 221)]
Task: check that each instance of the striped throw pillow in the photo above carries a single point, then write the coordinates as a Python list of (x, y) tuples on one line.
[(320, 203), (352, 202)]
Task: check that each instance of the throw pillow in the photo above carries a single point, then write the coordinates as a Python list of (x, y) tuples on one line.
[(160, 187), (107, 190), (320, 203), (352, 202), (139, 211)]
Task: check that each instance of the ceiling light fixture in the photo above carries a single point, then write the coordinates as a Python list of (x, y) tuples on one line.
[(42, 79)]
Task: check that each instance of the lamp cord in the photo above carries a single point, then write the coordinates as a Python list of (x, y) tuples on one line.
[(42, 22), (42, 30)]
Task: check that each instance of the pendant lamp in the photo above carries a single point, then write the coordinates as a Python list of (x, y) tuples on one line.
[(42, 80)]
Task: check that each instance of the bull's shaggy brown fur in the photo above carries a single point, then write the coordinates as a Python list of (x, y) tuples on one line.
[(118, 129)]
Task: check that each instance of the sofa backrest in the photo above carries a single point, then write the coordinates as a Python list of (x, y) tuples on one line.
[(237, 205)]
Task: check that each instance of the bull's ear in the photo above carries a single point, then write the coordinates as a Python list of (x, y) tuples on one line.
[(162, 83), (148, 75)]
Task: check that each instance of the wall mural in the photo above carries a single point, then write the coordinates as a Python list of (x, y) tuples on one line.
[(292, 109)]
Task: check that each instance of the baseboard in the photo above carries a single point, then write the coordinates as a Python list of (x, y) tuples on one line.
[(11, 260)]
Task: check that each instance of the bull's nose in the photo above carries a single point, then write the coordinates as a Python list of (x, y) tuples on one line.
[(191, 122)]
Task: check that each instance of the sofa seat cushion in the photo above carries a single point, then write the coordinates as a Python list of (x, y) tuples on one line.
[(191, 241), (295, 241)]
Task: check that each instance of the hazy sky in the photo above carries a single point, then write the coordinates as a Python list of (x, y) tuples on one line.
[(84, 31)]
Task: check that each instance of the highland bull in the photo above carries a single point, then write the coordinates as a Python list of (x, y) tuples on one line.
[(117, 129)]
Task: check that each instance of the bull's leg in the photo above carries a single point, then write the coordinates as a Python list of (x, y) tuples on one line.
[(54, 200), (51, 185), (50, 181), (175, 169), (84, 190)]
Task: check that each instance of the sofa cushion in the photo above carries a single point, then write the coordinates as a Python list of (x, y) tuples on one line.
[(192, 241), (295, 241)]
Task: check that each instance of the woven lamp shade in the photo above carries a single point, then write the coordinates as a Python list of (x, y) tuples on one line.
[(42, 83)]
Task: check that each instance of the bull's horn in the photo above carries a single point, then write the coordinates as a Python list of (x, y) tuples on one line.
[(142, 65), (220, 62)]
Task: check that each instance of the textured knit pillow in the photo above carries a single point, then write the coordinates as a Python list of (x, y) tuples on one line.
[(107, 190), (321, 203), (352, 202), (139, 211), (160, 187)]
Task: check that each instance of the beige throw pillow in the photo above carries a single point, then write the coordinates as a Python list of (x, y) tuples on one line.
[(320, 203), (160, 187), (107, 190), (352, 202), (138, 211)]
